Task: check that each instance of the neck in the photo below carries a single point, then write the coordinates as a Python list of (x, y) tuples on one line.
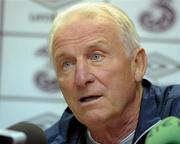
[(116, 130)]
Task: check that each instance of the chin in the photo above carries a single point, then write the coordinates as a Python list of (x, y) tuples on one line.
[(92, 119)]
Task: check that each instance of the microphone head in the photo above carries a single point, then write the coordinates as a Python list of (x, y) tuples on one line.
[(34, 134), (166, 131)]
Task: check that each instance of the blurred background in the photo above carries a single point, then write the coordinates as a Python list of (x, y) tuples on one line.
[(28, 87)]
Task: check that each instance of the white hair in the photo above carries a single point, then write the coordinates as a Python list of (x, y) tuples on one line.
[(130, 38)]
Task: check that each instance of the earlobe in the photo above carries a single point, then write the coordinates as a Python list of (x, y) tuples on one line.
[(138, 76), (140, 60)]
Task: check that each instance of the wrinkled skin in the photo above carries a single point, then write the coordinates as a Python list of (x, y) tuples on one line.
[(100, 82)]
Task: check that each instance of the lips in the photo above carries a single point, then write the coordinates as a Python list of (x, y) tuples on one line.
[(89, 98)]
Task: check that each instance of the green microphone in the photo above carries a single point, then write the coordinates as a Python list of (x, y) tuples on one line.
[(167, 131)]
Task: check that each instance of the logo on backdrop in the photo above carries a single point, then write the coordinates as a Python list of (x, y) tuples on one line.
[(45, 78), (55, 4), (160, 17), (161, 65)]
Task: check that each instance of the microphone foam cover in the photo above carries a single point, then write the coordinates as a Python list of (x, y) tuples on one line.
[(166, 131), (35, 135)]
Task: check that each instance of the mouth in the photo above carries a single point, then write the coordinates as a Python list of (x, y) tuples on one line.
[(89, 98)]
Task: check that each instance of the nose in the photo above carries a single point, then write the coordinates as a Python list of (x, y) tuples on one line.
[(83, 76)]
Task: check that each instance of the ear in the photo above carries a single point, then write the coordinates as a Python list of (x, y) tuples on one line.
[(140, 64)]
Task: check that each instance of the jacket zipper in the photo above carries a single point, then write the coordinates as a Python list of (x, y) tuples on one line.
[(146, 132)]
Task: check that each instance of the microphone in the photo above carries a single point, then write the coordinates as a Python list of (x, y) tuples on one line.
[(166, 132), (23, 133)]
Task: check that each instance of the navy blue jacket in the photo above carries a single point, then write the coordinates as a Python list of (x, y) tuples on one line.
[(156, 104)]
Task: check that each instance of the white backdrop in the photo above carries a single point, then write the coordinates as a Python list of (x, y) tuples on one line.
[(28, 87)]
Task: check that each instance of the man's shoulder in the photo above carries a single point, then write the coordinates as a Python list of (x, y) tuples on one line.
[(172, 100), (158, 102), (58, 130), (52, 132), (167, 92), (168, 100), (173, 91), (67, 130)]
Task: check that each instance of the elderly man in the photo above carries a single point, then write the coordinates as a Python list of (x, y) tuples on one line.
[(100, 67)]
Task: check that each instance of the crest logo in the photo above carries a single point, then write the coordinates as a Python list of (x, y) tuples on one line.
[(161, 18)]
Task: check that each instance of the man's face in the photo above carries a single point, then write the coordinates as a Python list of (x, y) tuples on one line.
[(95, 74)]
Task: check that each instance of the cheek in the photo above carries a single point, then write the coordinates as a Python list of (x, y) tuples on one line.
[(66, 83), (117, 79), (111, 76), (66, 89)]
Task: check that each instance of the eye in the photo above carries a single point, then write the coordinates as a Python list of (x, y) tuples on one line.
[(96, 57), (67, 65)]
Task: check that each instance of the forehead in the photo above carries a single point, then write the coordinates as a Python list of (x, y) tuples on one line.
[(85, 30)]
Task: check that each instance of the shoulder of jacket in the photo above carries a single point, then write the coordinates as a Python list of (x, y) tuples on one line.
[(168, 92), (58, 129), (165, 97)]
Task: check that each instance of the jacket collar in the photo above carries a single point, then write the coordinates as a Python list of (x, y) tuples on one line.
[(148, 115)]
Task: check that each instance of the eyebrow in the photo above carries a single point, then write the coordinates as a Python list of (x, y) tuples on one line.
[(91, 45), (97, 42)]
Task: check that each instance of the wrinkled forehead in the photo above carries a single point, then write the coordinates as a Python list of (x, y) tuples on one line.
[(97, 16), (74, 20), (93, 12), (76, 27), (85, 35), (67, 18)]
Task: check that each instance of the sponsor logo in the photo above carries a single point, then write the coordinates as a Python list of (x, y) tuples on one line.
[(55, 4)]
